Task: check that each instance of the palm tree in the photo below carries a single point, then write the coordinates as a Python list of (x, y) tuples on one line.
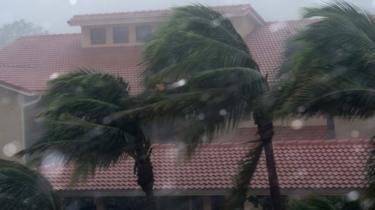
[(78, 110), (24, 189), (316, 202), (329, 68), (199, 69)]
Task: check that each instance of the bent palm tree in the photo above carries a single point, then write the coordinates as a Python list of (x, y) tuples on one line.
[(198, 68), (24, 189), (79, 124), (316, 202), (329, 68)]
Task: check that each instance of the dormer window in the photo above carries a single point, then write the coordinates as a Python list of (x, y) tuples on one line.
[(120, 35), (143, 32), (98, 36)]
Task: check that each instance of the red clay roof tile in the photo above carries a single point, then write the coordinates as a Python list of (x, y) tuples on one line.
[(29, 62), (301, 165)]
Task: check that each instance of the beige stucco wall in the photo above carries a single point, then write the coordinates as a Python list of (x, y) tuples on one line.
[(243, 24), (11, 127), (86, 39), (357, 128)]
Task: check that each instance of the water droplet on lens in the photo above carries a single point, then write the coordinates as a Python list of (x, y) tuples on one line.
[(297, 124), (10, 149), (355, 133)]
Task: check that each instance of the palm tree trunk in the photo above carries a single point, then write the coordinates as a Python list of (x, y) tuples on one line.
[(145, 178), (265, 131), (144, 170)]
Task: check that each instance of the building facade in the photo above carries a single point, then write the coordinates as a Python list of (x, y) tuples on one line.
[(113, 43)]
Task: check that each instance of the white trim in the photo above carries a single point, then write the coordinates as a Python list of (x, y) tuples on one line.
[(25, 105), (16, 90)]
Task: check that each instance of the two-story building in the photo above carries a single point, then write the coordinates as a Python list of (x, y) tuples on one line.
[(321, 155)]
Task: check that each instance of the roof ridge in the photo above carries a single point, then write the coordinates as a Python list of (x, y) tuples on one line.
[(291, 20), (322, 141), (278, 142), (49, 35), (156, 10)]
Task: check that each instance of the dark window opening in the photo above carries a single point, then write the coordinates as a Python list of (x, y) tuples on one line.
[(143, 33), (120, 34), (98, 36)]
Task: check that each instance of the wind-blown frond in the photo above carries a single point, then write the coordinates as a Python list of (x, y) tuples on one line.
[(242, 180), (78, 109), (316, 202), (198, 68), (24, 189), (328, 67)]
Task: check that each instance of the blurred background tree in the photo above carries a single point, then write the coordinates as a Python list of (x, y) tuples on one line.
[(12, 31)]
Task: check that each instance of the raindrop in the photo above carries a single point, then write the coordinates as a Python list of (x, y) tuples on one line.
[(201, 116), (223, 112), (54, 76), (178, 84), (39, 119), (97, 131), (355, 133), (215, 23), (53, 158), (10, 149), (352, 196), (72, 2), (205, 139), (297, 124), (275, 27), (301, 109), (107, 120), (79, 89)]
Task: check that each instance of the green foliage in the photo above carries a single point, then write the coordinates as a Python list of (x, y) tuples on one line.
[(328, 67), (24, 189), (316, 202), (78, 111), (199, 69), (248, 166), (16, 29)]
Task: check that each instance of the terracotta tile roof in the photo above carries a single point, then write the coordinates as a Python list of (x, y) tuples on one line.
[(317, 164), (267, 43), (29, 62), (87, 18), (281, 134)]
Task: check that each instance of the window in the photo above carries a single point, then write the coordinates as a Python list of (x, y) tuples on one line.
[(98, 36), (120, 34), (143, 33)]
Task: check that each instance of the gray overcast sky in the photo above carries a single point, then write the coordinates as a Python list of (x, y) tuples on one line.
[(53, 14)]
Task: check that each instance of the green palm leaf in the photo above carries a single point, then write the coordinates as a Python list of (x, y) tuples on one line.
[(328, 67), (78, 114), (24, 189)]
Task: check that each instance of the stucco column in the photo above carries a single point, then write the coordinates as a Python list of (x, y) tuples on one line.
[(99, 202), (207, 203)]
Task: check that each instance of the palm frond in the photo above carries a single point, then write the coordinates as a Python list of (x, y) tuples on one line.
[(328, 67), (317, 202), (24, 189), (78, 109), (220, 81), (242, 180)]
